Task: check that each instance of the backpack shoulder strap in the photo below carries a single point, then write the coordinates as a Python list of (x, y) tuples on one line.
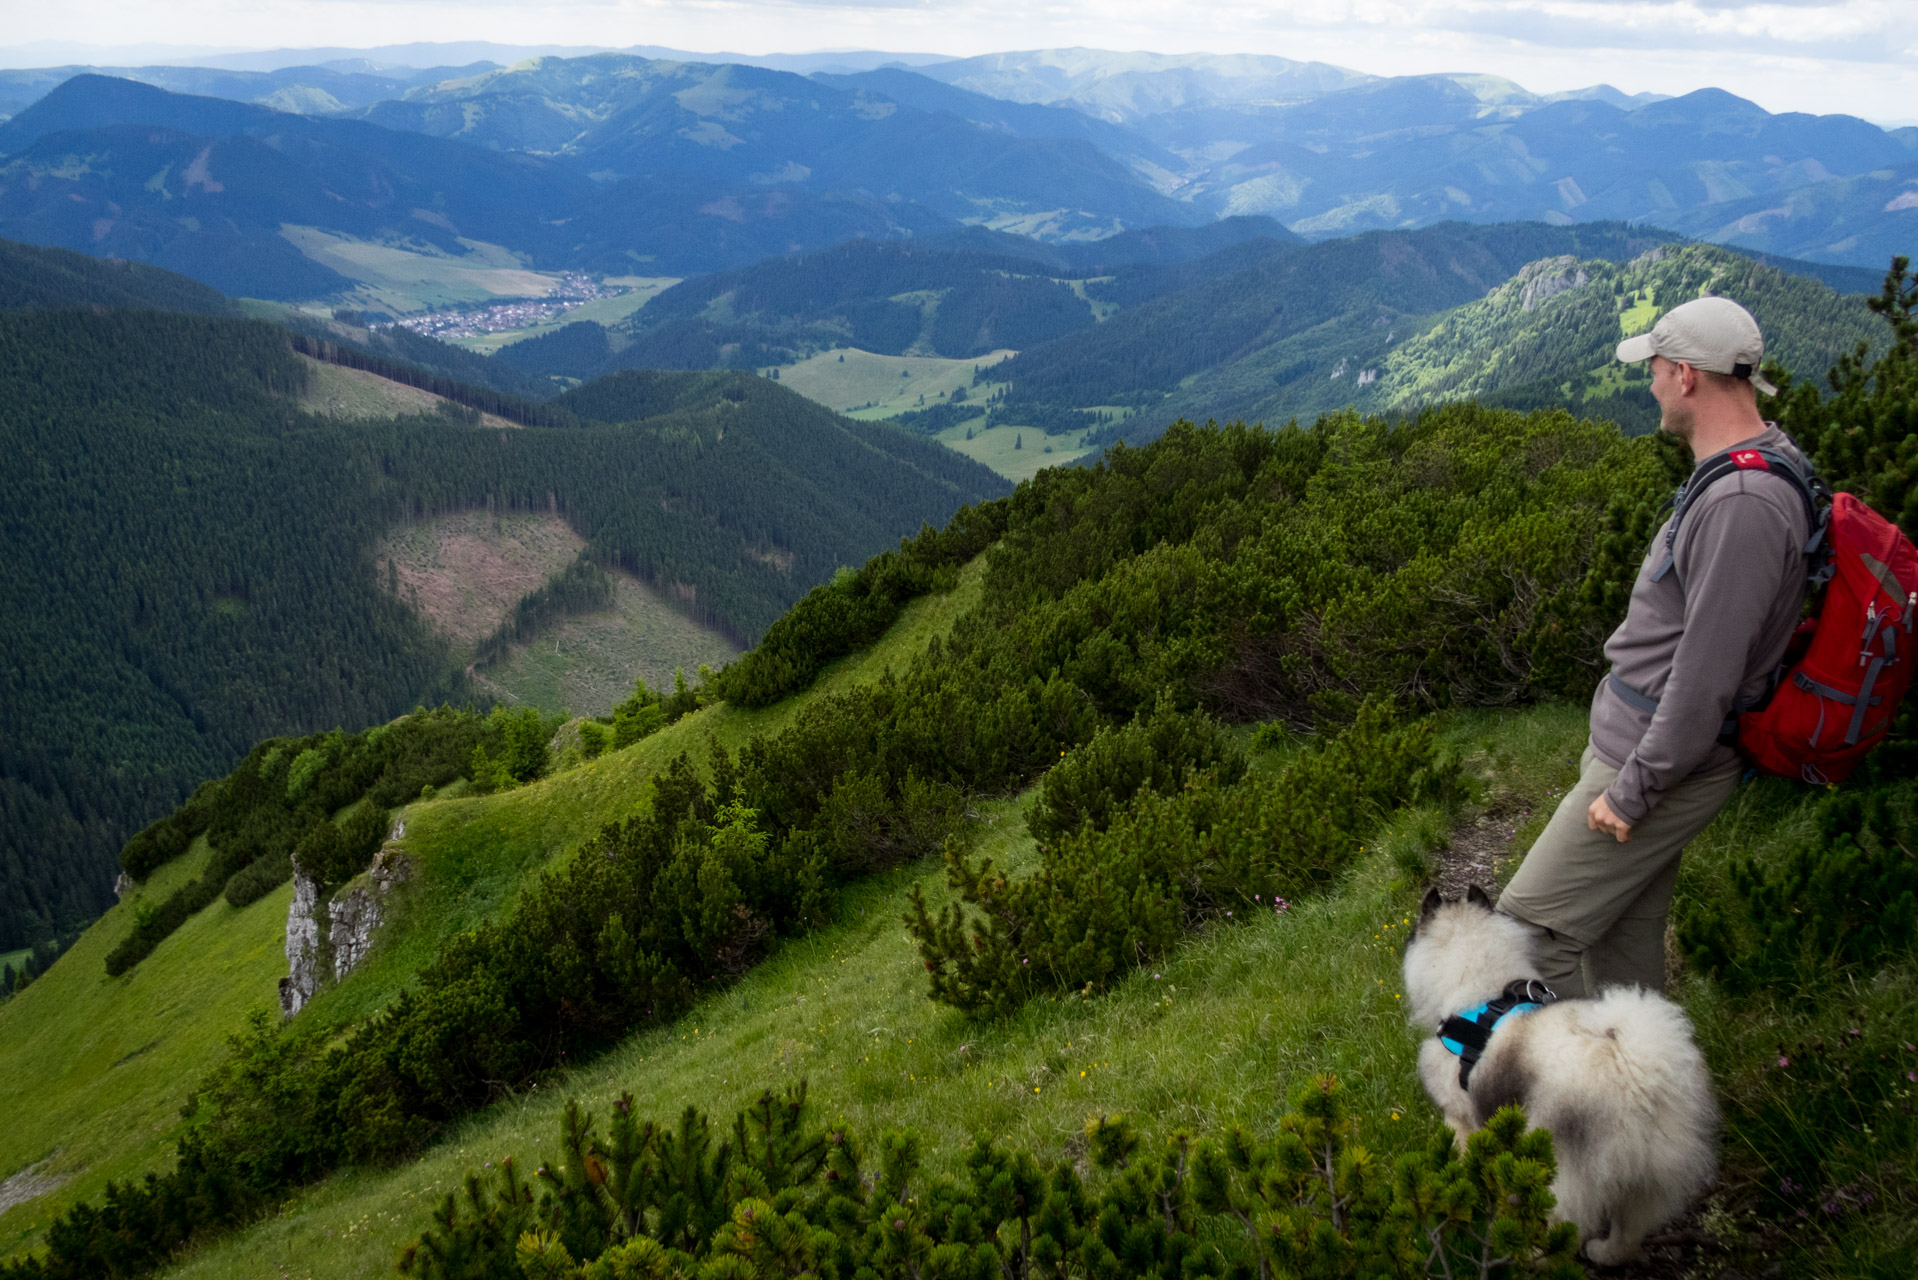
[(1812, 491)]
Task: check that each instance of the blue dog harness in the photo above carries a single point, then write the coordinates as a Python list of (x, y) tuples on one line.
[(1467, 1033)]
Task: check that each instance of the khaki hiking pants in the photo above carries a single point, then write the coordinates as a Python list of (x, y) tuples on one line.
[(1599, 906)]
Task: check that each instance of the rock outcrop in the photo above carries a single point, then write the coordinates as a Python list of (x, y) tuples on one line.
[(1549, 278), (327, 937), (304, 961)]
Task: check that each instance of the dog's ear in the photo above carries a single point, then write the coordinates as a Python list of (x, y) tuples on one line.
[(1478, 897), (1433, 901)]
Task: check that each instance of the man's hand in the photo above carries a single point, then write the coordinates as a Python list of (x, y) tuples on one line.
[(1600, 817)]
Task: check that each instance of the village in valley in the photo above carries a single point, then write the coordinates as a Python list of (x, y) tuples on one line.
[(573, 289)]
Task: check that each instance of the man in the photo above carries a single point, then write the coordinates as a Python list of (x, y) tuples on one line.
[(1700, 636)]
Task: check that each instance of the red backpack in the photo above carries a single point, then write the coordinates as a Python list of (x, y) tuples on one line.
[(1834, 696)]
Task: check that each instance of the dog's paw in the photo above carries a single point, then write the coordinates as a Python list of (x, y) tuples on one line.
[(1611, 1251)]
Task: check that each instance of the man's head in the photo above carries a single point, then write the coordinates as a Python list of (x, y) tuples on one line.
[(1705, 356)]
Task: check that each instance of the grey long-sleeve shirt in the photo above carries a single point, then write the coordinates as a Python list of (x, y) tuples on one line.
[(1712, 629)]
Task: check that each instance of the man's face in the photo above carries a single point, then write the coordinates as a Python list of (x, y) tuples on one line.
[(1668, 388)]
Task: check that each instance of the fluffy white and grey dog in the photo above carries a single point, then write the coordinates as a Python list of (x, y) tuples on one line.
[(1617, 1080)]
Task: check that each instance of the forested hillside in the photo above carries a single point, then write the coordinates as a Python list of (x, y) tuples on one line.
[(187, 569), (31, 276), (189, 560), (875, 295)]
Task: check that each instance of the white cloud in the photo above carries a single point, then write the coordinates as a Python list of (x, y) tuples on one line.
[(1856, 56)]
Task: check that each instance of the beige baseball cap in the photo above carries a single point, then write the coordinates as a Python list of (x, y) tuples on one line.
[(1714, 334)]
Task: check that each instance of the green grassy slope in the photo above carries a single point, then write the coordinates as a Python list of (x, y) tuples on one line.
[(1214, 1037), (1017, 453), (586, 663), (95, 1069), (867, 385)]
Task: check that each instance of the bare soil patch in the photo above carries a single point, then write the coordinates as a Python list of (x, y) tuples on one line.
[(465, 572), (30, 1183)]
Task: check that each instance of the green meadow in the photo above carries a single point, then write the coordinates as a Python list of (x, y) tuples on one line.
[(1017, 453), (866, 385), (412, 279), (94, 1070), (585, 663)]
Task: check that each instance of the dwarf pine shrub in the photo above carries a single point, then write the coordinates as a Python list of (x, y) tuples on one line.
[(1156, 750), (784, 1198), (1105, 901), (514, 750)]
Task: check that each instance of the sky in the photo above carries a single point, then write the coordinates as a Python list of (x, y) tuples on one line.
[(1859, 57)]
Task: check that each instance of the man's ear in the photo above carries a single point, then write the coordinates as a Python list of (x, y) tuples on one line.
[(1478, 897), (1433, 901)]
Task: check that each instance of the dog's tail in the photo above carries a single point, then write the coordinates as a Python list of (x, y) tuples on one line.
[(1640, 1118), (1640, 1044), (1648, 1077)]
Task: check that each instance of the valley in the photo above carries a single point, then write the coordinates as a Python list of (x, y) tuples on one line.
[(630, 293)]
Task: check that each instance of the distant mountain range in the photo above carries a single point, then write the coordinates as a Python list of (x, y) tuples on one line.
[(617, 162)]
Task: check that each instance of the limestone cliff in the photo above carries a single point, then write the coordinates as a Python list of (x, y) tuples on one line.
[(328, 935)]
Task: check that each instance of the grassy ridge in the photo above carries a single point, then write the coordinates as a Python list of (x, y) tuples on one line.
[(1214, 1037), (472, 855)]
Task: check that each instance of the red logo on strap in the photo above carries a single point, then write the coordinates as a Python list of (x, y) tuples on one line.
[(1750, 460)]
